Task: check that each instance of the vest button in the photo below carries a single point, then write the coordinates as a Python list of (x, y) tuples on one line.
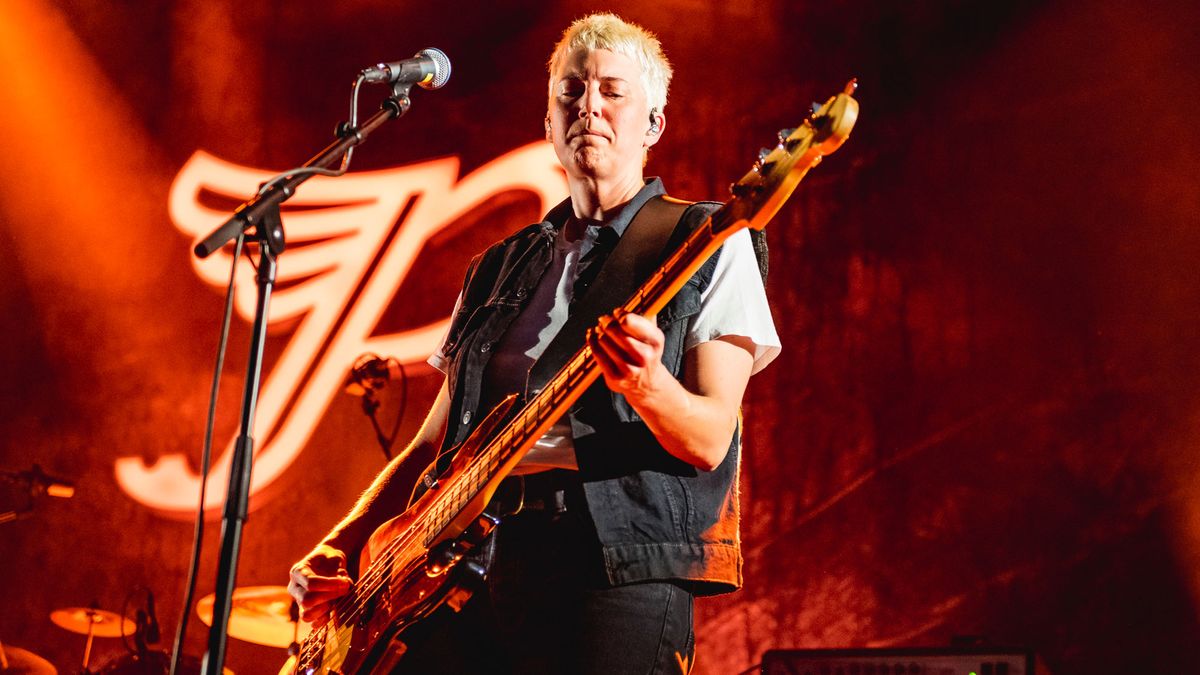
[(521, 293), (485, 347), (466, 417)]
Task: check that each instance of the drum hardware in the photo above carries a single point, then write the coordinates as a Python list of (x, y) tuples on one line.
[(92, 622), (139, 659), (152, 663)]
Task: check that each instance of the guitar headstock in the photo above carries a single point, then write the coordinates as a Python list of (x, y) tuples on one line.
[(760, 193)]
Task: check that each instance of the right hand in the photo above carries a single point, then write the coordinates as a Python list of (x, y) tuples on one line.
[(318, 581)]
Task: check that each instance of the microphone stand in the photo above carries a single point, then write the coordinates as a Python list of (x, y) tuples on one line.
[(261, 213)]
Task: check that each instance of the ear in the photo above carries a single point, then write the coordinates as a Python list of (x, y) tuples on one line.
[(549, 136), (658, 124)]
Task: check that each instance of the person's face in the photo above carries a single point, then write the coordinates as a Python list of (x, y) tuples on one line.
[(599, 118)]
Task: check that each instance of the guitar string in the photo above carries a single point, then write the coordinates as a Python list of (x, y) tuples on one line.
[(473, 476), (372, 583), (371, 588), (349, 607)]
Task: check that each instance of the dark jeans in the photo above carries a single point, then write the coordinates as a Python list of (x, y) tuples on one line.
[(548, 609)]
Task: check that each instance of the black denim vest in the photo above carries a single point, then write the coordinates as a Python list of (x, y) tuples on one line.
[(657, 517)]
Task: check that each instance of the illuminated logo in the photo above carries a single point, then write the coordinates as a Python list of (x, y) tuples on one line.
[(355, 252)]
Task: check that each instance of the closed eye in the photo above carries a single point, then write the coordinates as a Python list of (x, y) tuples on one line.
[(570, 89)]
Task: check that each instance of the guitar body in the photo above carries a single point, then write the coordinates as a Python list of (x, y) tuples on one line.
[(373, 642), (414, 563)]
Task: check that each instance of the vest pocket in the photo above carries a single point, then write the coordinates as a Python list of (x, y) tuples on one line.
[(673, 321), (675, 499)]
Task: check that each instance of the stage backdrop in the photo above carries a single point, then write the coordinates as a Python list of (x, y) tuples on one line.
[(984, 420)]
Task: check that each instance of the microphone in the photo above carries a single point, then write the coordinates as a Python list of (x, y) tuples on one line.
[(429, 68), (39, 483), (371, 373), (153, 635)]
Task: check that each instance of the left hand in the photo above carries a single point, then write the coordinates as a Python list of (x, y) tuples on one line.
[(629, 348)]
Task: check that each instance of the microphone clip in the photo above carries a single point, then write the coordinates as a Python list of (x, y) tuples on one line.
[(40, 483), (370, 374), (35, 483)]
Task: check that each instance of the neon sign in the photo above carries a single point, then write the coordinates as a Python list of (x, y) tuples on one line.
[(335, 289)]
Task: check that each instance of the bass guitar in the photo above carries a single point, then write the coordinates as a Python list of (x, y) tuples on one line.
[(414, 563)]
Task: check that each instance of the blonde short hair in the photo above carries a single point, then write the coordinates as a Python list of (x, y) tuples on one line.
[(609, 31)]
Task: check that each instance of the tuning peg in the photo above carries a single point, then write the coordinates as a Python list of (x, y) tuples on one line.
[(762, 162), (784, 133), (815, 107)]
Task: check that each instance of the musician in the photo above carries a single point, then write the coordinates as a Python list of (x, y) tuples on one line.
[(628, 507)]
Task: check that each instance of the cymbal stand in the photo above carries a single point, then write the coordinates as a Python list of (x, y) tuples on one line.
[(87, 649)]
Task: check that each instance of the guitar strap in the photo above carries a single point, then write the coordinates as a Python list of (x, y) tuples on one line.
[(638, 252)]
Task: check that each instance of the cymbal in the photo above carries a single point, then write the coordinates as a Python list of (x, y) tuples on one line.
[(102, 623), (17, 661), (258, 614)]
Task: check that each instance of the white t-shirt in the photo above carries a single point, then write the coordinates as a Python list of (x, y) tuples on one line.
[(734, 304)]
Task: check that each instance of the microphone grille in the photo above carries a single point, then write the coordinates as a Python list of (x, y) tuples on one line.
[(441, 68)]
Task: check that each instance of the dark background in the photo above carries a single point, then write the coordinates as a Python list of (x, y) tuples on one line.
[(984, 420)]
